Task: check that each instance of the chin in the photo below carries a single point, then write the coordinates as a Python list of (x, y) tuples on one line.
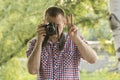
[(54, 36)]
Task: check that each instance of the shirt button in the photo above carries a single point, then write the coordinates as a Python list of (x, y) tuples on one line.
[(55, 77), (55, 67)]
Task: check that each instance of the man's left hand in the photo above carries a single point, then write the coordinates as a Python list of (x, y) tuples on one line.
[(72, 29)]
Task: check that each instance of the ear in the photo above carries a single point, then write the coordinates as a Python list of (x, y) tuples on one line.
[(45, 21), (65, 21)]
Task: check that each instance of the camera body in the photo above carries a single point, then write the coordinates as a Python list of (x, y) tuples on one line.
[(51, 29)]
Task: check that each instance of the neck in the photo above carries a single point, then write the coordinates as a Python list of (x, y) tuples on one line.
[(53, 38)]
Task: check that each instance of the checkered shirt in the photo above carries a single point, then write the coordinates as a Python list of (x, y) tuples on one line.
[(55, 64)]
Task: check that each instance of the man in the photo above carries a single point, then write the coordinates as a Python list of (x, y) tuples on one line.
[(57, 56)]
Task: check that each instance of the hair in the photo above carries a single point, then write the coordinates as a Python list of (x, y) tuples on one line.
[(54, 11)]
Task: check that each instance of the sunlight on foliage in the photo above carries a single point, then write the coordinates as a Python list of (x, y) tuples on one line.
[(108, 46), (15, 70), (1, 35), (20, 18), (102, 74)]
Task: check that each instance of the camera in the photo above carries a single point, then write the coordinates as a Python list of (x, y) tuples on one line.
[(51, 29)]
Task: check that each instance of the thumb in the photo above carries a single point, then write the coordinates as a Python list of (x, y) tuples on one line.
[(68, 22), (45, 21)]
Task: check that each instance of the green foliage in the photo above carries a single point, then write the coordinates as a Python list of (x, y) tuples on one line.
[(89, 17), (102, 74), (20, 18), (18, 22), (108, 46), (15, 70)]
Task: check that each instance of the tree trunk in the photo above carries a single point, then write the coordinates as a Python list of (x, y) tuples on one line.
[(114, 6)]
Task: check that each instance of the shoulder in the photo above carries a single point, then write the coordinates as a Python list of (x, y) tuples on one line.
[(69, 40), (33, 41)]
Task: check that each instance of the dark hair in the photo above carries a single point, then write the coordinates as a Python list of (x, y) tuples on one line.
[(54, 11)]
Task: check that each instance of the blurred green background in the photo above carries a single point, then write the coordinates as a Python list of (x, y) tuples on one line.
[(20, 18)]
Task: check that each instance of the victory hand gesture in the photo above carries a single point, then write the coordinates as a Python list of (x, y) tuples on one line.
[(72, 29)]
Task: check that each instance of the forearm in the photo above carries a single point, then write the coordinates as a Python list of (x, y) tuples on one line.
[(34, 59), (86, 51)]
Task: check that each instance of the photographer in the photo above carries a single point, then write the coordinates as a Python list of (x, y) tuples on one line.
[(54, 55)]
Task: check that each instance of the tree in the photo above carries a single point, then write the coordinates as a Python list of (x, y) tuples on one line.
[(18, 21), (91, 17), (115, 26)]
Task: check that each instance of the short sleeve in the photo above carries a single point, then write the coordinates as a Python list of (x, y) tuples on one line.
[(31, 45), (83, 39)]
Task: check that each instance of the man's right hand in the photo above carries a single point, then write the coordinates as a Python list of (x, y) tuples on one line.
[(41, 33)]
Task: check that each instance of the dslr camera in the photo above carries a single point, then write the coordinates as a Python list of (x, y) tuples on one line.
[(51, 29)]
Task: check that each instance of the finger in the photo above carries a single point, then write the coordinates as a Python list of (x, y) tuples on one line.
[(45, 21), (67, 20), (41, 33), (73, 29), (41, 27), (72, 19), (39, 30)]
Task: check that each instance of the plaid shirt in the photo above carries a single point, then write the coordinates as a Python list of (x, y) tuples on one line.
[(57, 65)]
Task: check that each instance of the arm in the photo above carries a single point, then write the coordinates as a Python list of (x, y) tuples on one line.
[(85, 50), (35, 53), (34, 58)]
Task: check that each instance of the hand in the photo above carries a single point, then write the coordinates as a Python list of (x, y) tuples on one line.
[(41, 33), (72, 29)]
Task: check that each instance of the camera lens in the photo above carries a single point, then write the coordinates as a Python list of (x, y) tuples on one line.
[(51, 29)]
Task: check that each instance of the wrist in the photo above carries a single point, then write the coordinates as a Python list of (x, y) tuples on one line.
[(39, 42), (77, 41)]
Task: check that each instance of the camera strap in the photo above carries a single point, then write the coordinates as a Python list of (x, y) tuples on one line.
[(45, 41), (61, 40)]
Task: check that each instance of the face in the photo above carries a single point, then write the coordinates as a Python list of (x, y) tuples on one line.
[(59, 20)]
